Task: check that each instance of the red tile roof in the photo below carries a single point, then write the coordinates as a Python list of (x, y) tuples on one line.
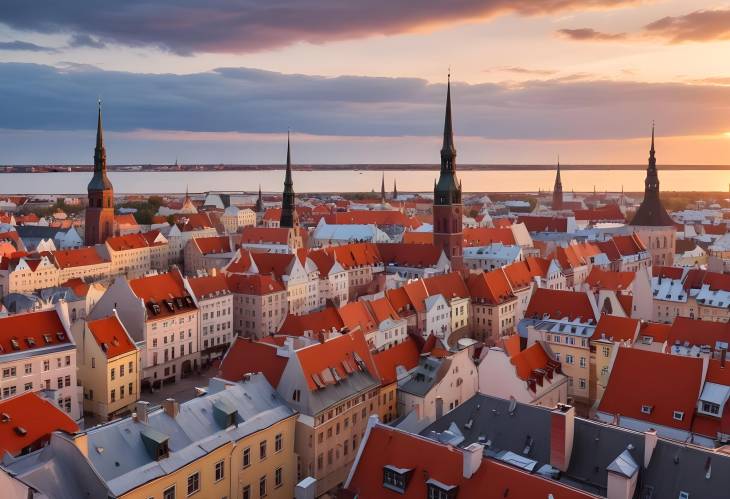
[(357, 314), (658, 332), (194, 222), (255, 284), (616, 328), (429, 459), (576, 255), (538, 266), (159, 289), (382, 309), (78, 257), (717, 230), (245, 356), (322, 260), (321, 321), (127, 242), (449, 285), (511, 345), (335, 353), (609, 280), (207, 286), (671, 272), (410, 237), (535, 223), (111, 336), (404, 354), (240, 263), (608, 213), (410, 255), (37, 416), (384, 217), (666, 383), (483, 236), (355, 255), (213, 245), (529, 360), (491, 287), (265, 235), (278, 264), (696, 278), (519, 275), (125, 219), (78, 286), (697, 332), (31, 331), (559, 304)]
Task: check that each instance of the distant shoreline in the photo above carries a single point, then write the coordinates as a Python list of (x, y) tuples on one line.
[(333, 167)]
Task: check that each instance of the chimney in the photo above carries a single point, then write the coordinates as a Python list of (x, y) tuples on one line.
[(213, 272), (472, 459), (650, 440), (562, 421), (171, 407), (140, 410), (306, 489)]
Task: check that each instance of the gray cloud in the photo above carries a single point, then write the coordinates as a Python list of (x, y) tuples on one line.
[(698, 26), (38, 97), (84, 40), (24, 46), (589, 34), (522, 71), (188, 26)]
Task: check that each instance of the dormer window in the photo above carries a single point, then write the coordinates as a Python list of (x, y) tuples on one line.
[(395, 478), (646, 409), (678, 415), (438, 490), (710, 408)]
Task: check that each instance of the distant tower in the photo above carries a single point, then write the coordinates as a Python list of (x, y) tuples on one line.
[(289, 217), (558, 190), (99, 217), (447, 209), (652, 222), (382, 189), (395, 190), (259, 208)]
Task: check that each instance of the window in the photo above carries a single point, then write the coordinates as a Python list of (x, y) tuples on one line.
[(262, 450), (121, 370), (296, 396), (646, 409), (582, 362), (9, 372), (278, 442), (278, 477), (710, 408), (606, 351), (262, 486), (113, 395), (246, 492), (247, 457), (683, 495), (568, 359), (436, 492), (113, 373), (219, 471), (678, 415), (28, 368), (193, 483), (395, 480), (169, 493)]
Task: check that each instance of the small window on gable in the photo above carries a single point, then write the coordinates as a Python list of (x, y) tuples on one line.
[(678, 416), (438, 490), (646, 409), (683, 495), (396, 479)]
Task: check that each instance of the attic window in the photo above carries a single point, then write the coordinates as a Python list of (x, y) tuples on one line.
[(47, 338), (30, 342), (14, 343), (61, 336), (646, 409), (683, 495), (396, 479), (678, 415), (438, 490)]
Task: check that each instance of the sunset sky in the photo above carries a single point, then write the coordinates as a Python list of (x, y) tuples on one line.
[(220, 81)]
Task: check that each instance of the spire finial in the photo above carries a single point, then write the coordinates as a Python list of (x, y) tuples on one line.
[(652, 135)]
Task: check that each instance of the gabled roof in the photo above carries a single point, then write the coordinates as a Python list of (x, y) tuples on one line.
[(608, 213), (335, 354), (127, 242), (538, 266), (278, 264), (410, 255), (78, 257), (265, 235), (382, 309), (355, 254), (240, 263), (209, 286), (32, 419), (357, 314), (159, 289), (519, 275), (483, 236), (609, 280), (558, 304), (111, 336), (193, 222), (696, 278), (612, 327), (576, 255), (449, 285), (404, 354), (31, 331), (492, 287), (213, 245), (322, 260), (254, 284), (530, 359), (321, 321), (663, 382), (697, 332), (125, 219), (245, 356), (671, 272), (656, 331)]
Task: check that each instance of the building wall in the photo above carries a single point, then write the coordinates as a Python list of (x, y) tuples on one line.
[(661, 243), (216, 325), (89, 271), (256, 316), (491, 322), (132, 262), (574, 355)]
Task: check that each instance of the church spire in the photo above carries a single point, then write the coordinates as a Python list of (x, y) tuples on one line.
[(651, 212), (289, 216), (382, 189), (259, 202), (558, 190), (99, 151), (395, 190), (448, 190)]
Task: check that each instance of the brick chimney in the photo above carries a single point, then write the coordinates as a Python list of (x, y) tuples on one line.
[(650, 440), (562, 423), (171, 407), (472, 459), (140, 411)]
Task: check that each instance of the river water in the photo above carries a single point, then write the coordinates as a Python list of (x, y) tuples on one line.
[(362, 180)]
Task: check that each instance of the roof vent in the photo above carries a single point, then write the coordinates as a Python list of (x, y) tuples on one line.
[(4, 417), (20, 431)]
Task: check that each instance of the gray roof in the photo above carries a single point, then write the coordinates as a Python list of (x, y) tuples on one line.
[(38, 231), (118, 453), (674, 467), (430, 370), (353, 384)]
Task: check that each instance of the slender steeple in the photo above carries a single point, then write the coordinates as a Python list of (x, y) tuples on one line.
[(447, 190), (259, 202), (289, 216), (382, 189), (99, 216), (395, 190), (651, 212), (558, 190)]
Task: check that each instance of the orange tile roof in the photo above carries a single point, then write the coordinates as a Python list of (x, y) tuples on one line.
[(608, 213), (213, 245), (410, 255), (194, 222), (150, 237), (410, 237), (609, 280), (529, 360), (511, 344), (559, 304), (31, 331), (78, 286), (519, 275), (246, 356), (616, 328), (127, 242), (111, 336), (278, 264), (160, 288), (576, 255), (490, 287), (667, 383), (483, 236), (696, 278), (429, 459), (697, 332), (322, 260), (356, 314), (671, 272), (355, 255), (39, 418), (537, 266), (255, 284), (416, 293), (449, 285), (207, 286), (125, 219), (78, 257), (320, 321), (404, 354), (332, 354), (382, 309), (264, 235), (383, 217), (240, 263), (658, 332)]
